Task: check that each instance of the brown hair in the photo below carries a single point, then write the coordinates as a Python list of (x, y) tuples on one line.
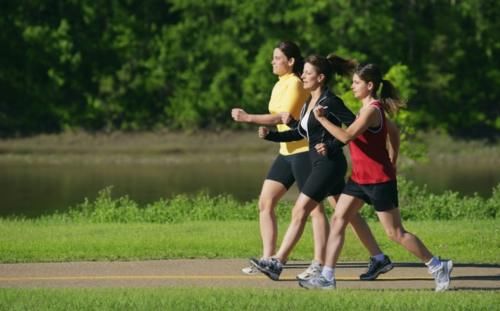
[(389, 95), (331, 65), (292, 50)]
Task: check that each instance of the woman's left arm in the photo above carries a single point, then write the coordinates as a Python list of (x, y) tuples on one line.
[(394, 141)]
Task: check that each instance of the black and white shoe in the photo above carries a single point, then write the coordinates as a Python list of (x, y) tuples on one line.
[(376, 267), (271, 267)]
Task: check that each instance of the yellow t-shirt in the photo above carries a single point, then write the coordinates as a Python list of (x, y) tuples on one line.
[(288, 95)]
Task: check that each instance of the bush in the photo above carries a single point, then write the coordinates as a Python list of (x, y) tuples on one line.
[(416, 203)]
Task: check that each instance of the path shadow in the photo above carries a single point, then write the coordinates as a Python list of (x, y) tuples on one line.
[(303, 265)]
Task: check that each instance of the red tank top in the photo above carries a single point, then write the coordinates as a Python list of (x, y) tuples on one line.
[(369, 156)]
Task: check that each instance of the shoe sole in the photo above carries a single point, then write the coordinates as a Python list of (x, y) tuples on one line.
[(270, 275), (385, 270), (322, 288), (298, 278), (450, 269), (254, 272)]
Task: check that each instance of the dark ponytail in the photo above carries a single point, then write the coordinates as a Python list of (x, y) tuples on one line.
[(292, 50), (331, 65), (341, 66), (389, 95), (390, 99)]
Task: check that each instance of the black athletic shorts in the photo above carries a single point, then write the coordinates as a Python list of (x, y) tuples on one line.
[(327, 176), (383, 196), (290, 168)]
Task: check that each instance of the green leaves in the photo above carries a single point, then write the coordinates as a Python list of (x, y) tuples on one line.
[(185, 64)]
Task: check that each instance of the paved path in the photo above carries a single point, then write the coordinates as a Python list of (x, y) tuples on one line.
[(226, 273)]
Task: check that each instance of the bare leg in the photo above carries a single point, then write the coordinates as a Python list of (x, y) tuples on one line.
[(362, 230), (347, 206), (303, 207), (320, 229), (391, 221), (271, 193)]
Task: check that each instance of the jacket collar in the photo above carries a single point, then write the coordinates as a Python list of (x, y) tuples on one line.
[(326, 93)]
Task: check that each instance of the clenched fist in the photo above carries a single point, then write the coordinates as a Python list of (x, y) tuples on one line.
[(263, 131), (239, 115), (286, 117), (321, 149)]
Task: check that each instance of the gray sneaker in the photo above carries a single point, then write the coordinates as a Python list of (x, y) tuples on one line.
[(317, 283), (270, 267), (250, 270), (442, 275), (313, 271)]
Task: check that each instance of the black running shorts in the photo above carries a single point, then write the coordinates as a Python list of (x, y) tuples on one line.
[(290, 168), (383, 196), (327, 176)]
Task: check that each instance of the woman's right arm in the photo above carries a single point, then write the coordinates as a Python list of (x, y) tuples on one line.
[(240, 115), (368, 117)]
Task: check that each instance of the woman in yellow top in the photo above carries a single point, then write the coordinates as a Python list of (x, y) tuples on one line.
[(293, 164)]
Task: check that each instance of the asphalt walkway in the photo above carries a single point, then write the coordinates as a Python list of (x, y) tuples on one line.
[(227, 273)]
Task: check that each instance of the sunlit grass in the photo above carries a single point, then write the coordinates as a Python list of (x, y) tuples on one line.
[(30, 241), (242, 299)]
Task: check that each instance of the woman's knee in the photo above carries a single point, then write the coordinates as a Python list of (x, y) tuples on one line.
[(339, 221), (395, 234), (267, 204), (318, 212), (299, 214)]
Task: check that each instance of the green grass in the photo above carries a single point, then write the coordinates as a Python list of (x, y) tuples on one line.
[(30, 241), (242, 299)]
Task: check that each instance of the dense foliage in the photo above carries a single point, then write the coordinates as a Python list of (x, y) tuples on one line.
[(184, 63)]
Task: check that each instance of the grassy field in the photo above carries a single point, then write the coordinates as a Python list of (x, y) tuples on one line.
[(241, 299), (468, 241), (29, 241), (60, 238)]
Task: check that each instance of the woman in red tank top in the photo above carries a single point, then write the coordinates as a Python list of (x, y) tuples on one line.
[(373, 179)]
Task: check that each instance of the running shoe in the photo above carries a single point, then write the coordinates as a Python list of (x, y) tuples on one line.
[(376, 267), (317, 283), (271, 267), (442, 275), (250, 270), (314, 270)]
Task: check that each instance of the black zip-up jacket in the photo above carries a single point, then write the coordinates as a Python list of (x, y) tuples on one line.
[(338, 114)]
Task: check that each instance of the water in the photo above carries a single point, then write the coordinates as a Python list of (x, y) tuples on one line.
[(35, 189)]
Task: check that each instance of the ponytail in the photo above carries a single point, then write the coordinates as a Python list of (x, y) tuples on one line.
[(390, 99), (298, 66), (341, 66), (389, 95), (331, 65)]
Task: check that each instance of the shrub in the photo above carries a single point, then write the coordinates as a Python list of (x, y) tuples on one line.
[(416, 203)]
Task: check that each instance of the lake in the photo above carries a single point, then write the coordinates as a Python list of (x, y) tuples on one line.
[(33, 189)]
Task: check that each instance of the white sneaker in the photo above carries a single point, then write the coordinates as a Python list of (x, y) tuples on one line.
[(313, 271), (318, 283), (250, 270), (442, 275)]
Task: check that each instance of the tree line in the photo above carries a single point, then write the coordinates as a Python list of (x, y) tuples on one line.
[(183, 64)]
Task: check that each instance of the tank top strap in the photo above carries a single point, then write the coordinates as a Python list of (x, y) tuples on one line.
[(380, 109)]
